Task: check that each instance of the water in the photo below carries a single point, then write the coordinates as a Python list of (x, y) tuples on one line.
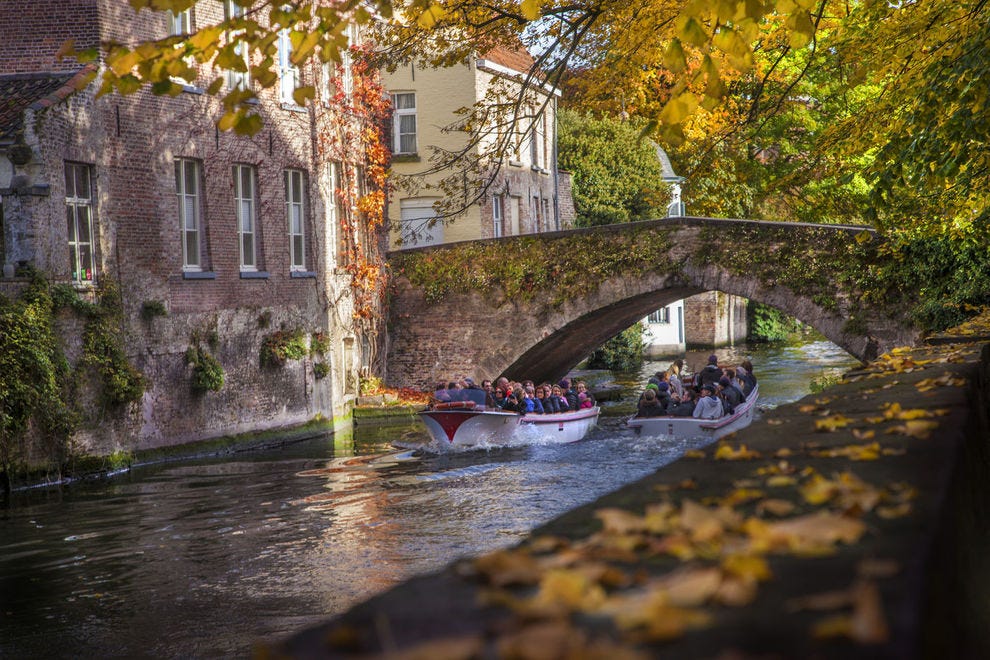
[(204, 558)]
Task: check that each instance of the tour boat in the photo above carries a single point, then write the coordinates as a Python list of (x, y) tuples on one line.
[(690, 427), (459, 418)]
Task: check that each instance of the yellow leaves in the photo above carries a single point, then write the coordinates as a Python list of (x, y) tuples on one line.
[(567, 590), (431, 16), (726, 453), (811, 534), (867, 624), (832, 423), (673, 57), (691, 31), (508, 567), (802, 30), (530, 9), (917, 428), (945, 380), (679, 108), (694, 453)]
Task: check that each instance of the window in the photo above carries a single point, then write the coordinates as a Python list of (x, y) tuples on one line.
[(333, 208), (347, 60), (180, 23), (294, 210), (245, 207), (497, 215), (661, 316), (288, 73), (79, 221), (238, 79), (187, 189), (404, 123), (537, 141)]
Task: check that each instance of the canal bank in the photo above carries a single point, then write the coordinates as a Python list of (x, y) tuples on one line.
[(852, 523)]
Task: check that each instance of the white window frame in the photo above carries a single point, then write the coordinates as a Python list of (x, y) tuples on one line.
[(79, 215), (347, 61), (288, 73), (659, 317), (498, 212), (246, 212), (397, 115), (179, 22), (190, 215), (238, 79), (537, 142), (295, 212)]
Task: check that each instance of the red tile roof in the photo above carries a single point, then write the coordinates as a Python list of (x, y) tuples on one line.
[(517, 59)]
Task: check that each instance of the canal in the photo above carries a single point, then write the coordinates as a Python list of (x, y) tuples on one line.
[(203, 558)]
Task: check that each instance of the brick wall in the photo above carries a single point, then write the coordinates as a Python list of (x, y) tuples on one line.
[(130, 144)]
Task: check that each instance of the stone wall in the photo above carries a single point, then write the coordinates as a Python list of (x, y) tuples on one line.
[(714, 319)]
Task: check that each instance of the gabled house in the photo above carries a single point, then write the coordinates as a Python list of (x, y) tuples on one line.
[(522, 193), (232, 238)]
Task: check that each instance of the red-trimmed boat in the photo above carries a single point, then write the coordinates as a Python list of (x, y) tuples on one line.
[(461, 419)]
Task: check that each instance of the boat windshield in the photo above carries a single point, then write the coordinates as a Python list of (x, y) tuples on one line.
[(471, 394)]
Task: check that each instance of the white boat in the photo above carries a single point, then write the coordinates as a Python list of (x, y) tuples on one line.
[(690, 427), (462, 420)]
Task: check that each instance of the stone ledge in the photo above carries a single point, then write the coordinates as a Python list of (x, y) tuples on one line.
[(935, 605)]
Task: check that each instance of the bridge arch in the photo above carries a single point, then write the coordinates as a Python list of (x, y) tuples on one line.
[(476, 331)]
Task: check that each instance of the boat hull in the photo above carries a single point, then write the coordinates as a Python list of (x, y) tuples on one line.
[(682, 428), (467, 428)]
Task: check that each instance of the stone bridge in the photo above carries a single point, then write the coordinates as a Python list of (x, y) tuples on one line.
[(534, 306)]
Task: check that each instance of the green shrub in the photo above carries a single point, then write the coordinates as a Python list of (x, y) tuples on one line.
[(283, 345), (208, 374), (320, 370), (152, 308), (623, 352), (319, 343), (768, 324)]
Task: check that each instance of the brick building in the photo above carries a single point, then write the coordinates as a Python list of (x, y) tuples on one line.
[(236, 237), (526, 193)]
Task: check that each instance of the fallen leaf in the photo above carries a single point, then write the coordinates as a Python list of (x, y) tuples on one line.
[(726, 453), (896, 511), (864, 435), (694, 453), (920, 429), (869, 624), (775, 507), (832, 423), (507, 567), (747, 567), (544, 640)]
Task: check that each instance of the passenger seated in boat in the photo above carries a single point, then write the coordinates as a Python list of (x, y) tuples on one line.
[(684, 407), (533, 404), (711, 372), (582, 388), (732, 395), (569, 393), (440, 393), (499, 398), (709, 406), (649, 406), (663, 395), (745, 374), (562, 402), (550, 404)]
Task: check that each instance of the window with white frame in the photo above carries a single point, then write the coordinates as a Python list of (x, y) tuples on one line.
[(335, 210), (295, 212), (288, 73), (404, 123), (246, 210), (347, 60), (497, 213), (537, 141), (79, 221), (187, 190), (661, 316), (237, 79), (179, 22)]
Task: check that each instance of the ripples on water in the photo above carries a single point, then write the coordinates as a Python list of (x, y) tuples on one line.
[(202, 558)]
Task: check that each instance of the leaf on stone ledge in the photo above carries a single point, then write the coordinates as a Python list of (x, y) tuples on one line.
[(915, 428), (832, 423), (508, 567), (694, 453), (725, 452), (775, 507)]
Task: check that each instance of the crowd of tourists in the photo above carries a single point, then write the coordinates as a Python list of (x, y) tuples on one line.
[(712, 392), (524, 397)]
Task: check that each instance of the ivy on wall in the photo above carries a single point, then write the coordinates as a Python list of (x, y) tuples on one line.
[(39, 389)]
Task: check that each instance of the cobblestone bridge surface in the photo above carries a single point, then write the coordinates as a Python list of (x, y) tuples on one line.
[(852, 524)]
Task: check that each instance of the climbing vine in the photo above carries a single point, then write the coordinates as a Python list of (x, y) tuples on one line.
[(360, 198)]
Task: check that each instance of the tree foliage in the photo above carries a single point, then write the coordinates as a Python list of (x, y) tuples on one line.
[(617, 175)]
